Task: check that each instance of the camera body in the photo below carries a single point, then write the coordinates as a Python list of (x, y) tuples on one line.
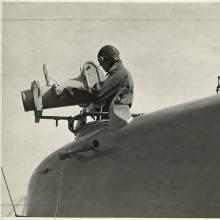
[(44, 97)]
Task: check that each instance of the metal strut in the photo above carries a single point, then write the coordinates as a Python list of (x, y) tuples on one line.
[(16, 215), (71, 119), (218, 86)]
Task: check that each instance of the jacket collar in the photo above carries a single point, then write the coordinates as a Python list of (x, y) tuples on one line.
[(116, 66)]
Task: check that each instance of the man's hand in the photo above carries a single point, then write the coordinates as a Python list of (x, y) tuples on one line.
[(58, 89)]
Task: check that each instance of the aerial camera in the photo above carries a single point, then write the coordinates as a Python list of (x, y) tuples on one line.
[(44, 97)]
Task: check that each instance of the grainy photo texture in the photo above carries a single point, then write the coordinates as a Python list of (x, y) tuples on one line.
[(110, 110)]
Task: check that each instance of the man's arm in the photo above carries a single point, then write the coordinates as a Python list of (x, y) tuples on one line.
[(108, 88), (100, 91)]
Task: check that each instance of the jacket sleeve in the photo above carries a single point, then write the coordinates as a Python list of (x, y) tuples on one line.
[(102, 90), (107, 88)]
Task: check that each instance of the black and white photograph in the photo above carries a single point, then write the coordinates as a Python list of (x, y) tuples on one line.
[(110, 109)]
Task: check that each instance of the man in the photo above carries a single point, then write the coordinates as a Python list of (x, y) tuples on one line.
[(118, 80)]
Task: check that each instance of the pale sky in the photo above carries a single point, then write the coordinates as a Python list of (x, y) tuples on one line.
[(171, 50)]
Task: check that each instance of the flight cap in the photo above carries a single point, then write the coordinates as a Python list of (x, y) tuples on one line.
[(108, 51)]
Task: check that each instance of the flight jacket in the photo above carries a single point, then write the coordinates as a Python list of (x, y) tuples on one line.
[(103, 92)]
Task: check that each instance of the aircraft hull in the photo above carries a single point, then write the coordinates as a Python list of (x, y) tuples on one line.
[(162, 164)]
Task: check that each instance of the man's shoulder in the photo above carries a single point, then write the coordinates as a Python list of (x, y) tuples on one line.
[(119, 69), (124, 71), (120, 72)]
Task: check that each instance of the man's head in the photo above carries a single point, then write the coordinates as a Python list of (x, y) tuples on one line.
[(107, 56)]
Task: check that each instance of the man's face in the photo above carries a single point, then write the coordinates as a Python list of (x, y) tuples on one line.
[(104, 63)]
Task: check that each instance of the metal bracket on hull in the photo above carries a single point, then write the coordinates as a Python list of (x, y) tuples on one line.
[(92, 145), (120, 116), (64, 155)]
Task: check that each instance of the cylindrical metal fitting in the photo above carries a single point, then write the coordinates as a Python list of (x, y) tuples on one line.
[(28, 100)]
